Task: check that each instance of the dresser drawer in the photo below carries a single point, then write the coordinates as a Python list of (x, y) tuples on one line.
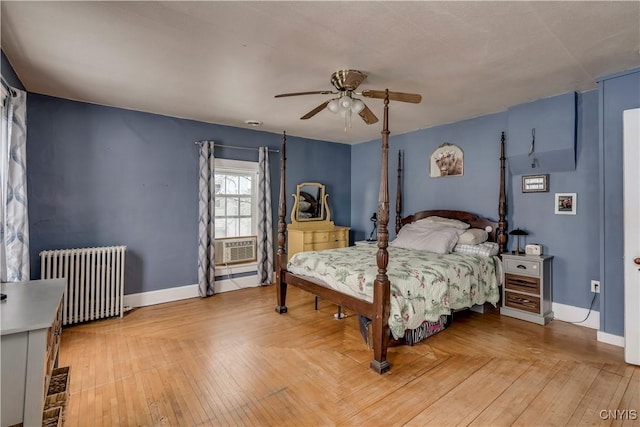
[(326, 236), (522, 283), (317, 237), (522, 302), (323, 246), (522, 266), (335, 236)]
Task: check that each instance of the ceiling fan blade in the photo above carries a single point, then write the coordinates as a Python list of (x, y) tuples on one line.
[(393, 96), (368, 116), (317, 92), (315, 111)]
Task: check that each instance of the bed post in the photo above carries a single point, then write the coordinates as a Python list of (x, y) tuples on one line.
[(501, 236), (281, 286), (399, 194), (381, 285)]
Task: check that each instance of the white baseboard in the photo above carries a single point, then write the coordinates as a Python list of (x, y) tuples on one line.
[(161, 296), (189, 291), (571, 314), (237, 283), (607, 338)]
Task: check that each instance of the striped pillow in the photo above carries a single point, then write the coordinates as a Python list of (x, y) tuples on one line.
[(483, 249)]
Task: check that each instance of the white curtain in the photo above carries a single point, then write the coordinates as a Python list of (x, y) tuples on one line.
[(265, 229), (14, 220), (206, 227)]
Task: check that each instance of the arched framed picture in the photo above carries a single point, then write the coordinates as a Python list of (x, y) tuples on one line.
[(446, 160)]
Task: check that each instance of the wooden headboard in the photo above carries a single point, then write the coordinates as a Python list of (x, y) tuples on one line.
[(475, 221)]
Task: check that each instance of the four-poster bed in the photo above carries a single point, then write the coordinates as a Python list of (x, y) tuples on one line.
[(377, 306)]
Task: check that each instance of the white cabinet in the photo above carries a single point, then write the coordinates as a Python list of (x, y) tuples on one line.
[(31, 325)]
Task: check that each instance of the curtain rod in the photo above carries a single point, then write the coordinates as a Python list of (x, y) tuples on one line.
[(237, 147), (9, 88)]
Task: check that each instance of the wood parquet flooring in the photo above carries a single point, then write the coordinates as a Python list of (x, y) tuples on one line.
[(232, 360)]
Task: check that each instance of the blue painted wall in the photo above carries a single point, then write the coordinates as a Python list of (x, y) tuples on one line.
[(476, 190), (573, 240), (617, 93), (107, 176)]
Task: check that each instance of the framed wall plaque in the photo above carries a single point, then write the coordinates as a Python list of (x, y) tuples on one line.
[(535, 183)]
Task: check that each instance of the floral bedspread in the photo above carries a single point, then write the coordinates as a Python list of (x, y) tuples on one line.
[(424, 285)]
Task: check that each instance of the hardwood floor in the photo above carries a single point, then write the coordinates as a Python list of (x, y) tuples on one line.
[(232, 360)]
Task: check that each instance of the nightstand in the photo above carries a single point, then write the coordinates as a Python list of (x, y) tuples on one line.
[(526, 292), (366, 243)]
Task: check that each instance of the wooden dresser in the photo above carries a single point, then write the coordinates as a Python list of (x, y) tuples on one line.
[(326, 236), (311, 228), (31, 325)]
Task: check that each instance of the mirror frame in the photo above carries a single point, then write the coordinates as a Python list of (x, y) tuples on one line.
[(320, 198)]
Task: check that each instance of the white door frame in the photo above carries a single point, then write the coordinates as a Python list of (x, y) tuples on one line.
[(631, 160)]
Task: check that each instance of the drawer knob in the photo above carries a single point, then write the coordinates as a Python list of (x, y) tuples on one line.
[(522, 267)]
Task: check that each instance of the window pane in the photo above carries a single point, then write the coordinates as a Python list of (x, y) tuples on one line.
[(231, 182), (245, 206), (232, 227), (221, 227), (233, 206), (220, 206), (245, 227), (220, 184), (245, 184)]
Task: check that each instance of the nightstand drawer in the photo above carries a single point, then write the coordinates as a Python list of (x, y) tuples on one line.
[(522, 302), (522, 283), (522, 266)]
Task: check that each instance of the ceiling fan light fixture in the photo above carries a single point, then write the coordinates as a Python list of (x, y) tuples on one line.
[(333, 106), (345, 102), (357, 106)]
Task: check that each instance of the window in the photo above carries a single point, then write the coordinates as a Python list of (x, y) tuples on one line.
[(236, 199)]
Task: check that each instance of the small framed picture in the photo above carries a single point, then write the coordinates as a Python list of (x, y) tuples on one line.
[(535, 183), (566, 203)]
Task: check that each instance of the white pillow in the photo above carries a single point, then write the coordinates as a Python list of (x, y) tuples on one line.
[(431, 237), (473, 236), (461, 225)]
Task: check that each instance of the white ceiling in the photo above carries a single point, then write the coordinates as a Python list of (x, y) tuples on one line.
[(223, 62)]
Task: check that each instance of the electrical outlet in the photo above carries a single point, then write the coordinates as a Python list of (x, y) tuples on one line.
[(595, 286)]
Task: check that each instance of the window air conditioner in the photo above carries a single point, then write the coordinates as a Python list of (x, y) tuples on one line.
[(234, 250)]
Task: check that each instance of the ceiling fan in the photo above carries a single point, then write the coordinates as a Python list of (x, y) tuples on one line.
[(346, 82)]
